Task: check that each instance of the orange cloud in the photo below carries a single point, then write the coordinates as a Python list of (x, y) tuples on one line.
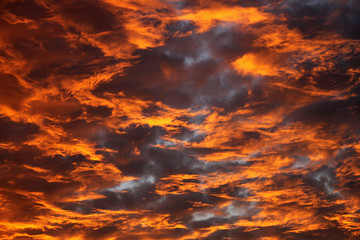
[(207, 18), (251, 64)]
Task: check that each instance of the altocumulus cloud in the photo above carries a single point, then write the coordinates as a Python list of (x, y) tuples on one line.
[(164, 119)]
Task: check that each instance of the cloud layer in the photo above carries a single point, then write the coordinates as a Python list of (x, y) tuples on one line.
[(166, 119)]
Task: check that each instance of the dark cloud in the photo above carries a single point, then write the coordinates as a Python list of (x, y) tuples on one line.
[(11, 92), (336, 117), (319, 17), (28, 9), (152, 65), (16, 131), (100, 111), (90, 14)]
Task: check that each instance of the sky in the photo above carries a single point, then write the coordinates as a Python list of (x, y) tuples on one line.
[(179, 119)]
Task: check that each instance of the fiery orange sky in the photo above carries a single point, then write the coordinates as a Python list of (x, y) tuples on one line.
[(179, 119)]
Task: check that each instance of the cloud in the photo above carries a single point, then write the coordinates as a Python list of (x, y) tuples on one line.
[(207, 17), (255, 65), (179, 119)]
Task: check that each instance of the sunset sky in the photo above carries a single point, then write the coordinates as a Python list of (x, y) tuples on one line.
[(179, 119)]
